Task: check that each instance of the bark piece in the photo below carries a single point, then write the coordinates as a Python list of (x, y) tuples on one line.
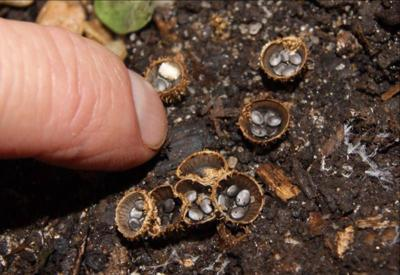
[(279, 183), (304, 180)]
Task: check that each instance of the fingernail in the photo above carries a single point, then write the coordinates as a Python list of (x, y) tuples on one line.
[(150, 112)]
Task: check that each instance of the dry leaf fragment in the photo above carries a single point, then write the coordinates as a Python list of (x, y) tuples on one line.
[(117, 47), (315, 223), (17, 3), (69, 15), (94, 30), (343, 240), (333, 142), (275, 178)]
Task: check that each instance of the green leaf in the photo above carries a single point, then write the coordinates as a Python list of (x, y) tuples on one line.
[(124, 16)]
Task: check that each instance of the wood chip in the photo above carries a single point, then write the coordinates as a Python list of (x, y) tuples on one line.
[(187, 262), (343, 240), (375, 222), (275, 178), (391, 92), (69, 15)]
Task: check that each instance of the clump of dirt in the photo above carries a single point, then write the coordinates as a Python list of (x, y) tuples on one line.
[(341, 150)]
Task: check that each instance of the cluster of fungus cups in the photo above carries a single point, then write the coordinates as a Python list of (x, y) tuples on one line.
[(284, 58), (264, 120), (211, 190), (206, 190), (199, 173), (168, 76)]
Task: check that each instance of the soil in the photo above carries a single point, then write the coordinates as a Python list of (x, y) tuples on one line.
[(342, 149)]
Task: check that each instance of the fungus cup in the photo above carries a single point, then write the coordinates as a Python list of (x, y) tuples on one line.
[(198, 204), (284, 58), (134, 213), (168, 76), (168, 208), (263, 121), (205, 167), (239, 198)]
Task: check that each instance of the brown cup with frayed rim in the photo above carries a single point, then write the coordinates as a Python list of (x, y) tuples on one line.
[(198, 204), (134, 213), (239, 198), (168, 211), (205, 167), (169, 77), (283, 59), (263, 121)]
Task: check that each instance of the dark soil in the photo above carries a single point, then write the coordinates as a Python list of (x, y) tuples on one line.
[(342, 149)]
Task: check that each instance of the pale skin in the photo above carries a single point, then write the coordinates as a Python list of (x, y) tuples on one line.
[(68, 101)]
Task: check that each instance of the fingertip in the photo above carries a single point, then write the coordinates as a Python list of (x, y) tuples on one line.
[(78, 106), (150, 112)]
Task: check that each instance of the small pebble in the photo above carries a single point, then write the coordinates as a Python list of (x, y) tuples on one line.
[(274, 121), (137, 214), (139, 205), (280, 68), (258, 131), (206, 206), (243, 198), (134, 224), (256, 117), (232, 162), (254, 28), (232, 190), (275, 59), (238, 213), (191, 195), (244, 29), (168, 205), (195, 214), (295, 59), (161, 84), (285, 55), (223, 201)]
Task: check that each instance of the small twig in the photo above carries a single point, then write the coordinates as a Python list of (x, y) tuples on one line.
[(78, 260), (391, 92), (82, 248)]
